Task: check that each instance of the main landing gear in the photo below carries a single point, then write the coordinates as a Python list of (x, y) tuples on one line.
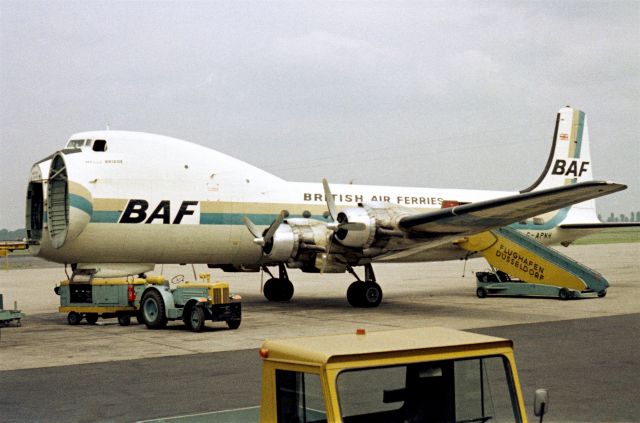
[(365, 293), (278, 289)]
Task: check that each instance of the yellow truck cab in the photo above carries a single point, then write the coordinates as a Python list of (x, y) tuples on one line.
[(413, 375)]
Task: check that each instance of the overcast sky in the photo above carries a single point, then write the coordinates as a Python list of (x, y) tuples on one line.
[(438, 94)]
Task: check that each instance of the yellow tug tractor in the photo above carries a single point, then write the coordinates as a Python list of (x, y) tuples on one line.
[(152, 300)]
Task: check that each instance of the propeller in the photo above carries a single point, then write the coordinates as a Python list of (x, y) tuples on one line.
[(338, 222), (264, 238)]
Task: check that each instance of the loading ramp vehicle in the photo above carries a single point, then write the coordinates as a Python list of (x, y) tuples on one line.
[(522, 266)]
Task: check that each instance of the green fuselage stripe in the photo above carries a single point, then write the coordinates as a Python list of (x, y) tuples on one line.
[(81, 203)]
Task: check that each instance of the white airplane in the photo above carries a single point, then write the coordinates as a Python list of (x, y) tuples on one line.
[(116, 203)]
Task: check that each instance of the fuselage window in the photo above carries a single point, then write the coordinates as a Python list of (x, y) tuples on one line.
[(100, 145)]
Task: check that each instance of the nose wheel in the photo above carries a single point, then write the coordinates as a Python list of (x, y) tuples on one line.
[(367, 293)]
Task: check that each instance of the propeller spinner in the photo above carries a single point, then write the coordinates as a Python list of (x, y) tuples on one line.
[(265, 238), (339, 222)]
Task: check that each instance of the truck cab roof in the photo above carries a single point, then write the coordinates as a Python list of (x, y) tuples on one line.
[(321, 350)]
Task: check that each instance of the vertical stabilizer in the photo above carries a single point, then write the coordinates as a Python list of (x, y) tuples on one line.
[(569, 161)]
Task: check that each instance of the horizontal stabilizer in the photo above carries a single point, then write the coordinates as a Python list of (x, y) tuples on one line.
[(484, 215), (614, 226)]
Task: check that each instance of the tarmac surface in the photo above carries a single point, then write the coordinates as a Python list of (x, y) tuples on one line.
[(584, 351)]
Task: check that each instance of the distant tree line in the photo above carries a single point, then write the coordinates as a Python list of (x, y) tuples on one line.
[(17, 235), (633, 217)]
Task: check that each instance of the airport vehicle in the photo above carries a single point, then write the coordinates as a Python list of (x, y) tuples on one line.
[(152, 300), (528, 268), (7, 247), (425, 374), (193, 302), (411, 375), (10, 316), (88, 297), (501, 284), (117, 203)]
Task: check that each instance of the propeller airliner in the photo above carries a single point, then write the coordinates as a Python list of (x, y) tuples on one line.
[(116, 203)]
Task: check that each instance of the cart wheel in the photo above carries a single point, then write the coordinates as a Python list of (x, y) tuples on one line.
[(564, 294), (481, 292), (233, 324), (195, 322), (153, 310), (602, 293), (73, 318), (124, 319), (92, 318)]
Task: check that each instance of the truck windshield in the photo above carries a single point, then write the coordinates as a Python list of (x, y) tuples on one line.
[(457, 391)]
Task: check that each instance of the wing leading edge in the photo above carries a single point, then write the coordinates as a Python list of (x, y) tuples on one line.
[(484, 215)]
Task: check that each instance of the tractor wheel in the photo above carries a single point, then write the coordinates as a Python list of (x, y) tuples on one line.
[(195, 321), (153, 310), (92, 318), (124, 319), (74, 318), (233, 324)]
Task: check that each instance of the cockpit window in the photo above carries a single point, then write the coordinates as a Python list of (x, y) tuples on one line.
[(100, 145), (76, 143)]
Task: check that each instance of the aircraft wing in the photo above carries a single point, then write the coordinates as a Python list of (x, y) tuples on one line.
[(477, 217)]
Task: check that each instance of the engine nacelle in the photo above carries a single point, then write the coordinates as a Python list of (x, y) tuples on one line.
[(295, 237), (283, 245), (380, 220), (360, 238)]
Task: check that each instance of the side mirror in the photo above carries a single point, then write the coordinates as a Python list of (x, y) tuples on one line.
[(541, 403)]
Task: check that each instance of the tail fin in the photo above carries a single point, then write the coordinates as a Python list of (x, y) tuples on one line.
[(569, 162), (570, 158)]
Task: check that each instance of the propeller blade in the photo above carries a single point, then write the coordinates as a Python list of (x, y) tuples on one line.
[(331, 203), (252, 228), (274, 227), (355, 226)]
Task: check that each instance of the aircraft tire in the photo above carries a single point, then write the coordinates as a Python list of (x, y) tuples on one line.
[(354, 294), (153, 310), (371, 295), (286, 290), (564, 294), (270, 289), (278, 290), (481, 292), (195, 322), (92, 318), (74, 318)]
